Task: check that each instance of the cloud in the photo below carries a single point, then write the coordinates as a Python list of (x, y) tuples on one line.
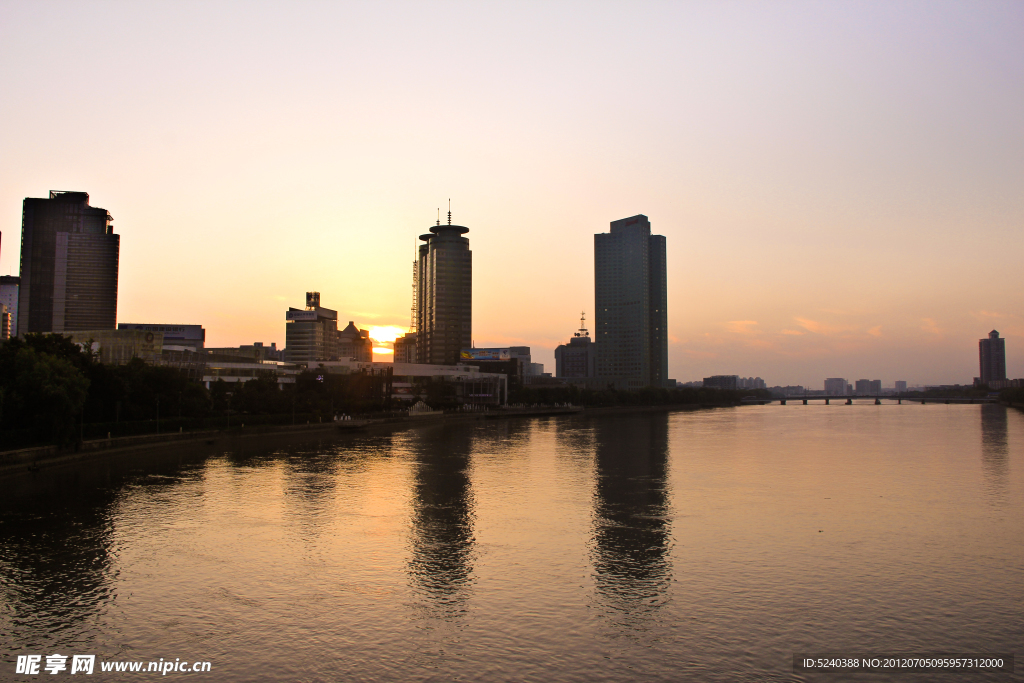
[(741, 326), (875, 331), (929, 326), (793, 332)]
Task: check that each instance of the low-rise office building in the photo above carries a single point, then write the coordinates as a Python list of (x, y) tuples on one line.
[(193, 336), (409, 380)]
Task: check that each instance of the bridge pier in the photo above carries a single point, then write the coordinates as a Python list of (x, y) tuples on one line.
[(878, 401), (947, 401), (849, 401), (826, 401), (782, 401), (922, 401), (805, 401)]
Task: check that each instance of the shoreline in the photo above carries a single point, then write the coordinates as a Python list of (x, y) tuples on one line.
[(37, 458)]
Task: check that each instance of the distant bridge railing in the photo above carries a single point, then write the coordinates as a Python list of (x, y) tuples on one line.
[(848, 400)]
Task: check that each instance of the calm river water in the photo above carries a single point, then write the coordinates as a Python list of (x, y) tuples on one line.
[(706, 546)]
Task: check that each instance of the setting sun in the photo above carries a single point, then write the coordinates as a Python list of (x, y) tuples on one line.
[(386, 333)]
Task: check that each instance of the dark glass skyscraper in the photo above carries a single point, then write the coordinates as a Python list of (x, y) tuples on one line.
[(69, 261), (630, 301), (992, 352), (444, 295)]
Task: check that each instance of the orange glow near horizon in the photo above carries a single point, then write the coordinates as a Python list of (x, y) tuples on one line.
[(386, 333), (382, 351)]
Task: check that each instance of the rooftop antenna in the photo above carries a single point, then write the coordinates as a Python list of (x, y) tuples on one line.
[(449, 212), (439, 215)]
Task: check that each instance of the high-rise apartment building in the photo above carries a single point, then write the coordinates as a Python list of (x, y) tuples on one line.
[(444, 295), (992, 354), (630, 301), (901, 386), (69, 260)]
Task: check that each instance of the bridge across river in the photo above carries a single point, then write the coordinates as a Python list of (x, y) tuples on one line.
[(848, 400)]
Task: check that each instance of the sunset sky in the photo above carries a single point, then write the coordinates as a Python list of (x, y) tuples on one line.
[(841, 184)]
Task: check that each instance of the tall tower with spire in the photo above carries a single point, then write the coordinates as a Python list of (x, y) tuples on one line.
[(444, 294)]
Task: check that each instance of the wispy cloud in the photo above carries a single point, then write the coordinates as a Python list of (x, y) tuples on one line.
[(875, 331), (929, 326), (741, 326)]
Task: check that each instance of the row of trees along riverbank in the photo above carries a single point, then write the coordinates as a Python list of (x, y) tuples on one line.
[(53, 391)]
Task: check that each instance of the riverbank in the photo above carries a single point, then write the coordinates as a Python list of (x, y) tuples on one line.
[(27, 460)]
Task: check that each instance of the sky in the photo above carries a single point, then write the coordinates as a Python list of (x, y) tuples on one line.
[(841, 185)]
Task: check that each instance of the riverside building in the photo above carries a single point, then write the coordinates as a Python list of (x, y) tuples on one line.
[(992, 357), (69, 263), (444, 295), (630, 302)]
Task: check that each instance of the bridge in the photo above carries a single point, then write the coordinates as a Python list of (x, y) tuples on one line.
[(848, 400)]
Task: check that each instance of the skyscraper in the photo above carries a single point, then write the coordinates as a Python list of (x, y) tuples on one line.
[(69, 260), (630, 301), (992, 353), (444, 295)]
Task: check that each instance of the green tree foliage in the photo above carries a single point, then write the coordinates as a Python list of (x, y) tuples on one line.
[(41, 391)]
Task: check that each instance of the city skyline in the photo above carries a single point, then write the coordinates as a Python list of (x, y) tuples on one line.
[(838, 186)]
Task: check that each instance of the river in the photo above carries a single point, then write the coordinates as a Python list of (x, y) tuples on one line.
[(708, 545)]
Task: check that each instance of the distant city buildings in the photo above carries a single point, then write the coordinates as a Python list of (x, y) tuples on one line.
[(992, 357), (836, 386), (730, 382), (750, 383), (444, 295), (901, 386), (69, 265), (9, 285), (631, 302), (868, 387), (578, 358)]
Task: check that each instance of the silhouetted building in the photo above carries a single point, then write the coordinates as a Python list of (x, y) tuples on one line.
[(578, 358), (901, 386), (836, 386), (5, 323), (69, 260), (992, 353), (355, 343), (444, 295), (730, 382), (630, 301), (405, 348), (9, 285), (311, 334)]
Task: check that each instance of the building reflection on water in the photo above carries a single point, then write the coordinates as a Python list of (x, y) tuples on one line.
[(995, 451), (441, 563), (632, 532)]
